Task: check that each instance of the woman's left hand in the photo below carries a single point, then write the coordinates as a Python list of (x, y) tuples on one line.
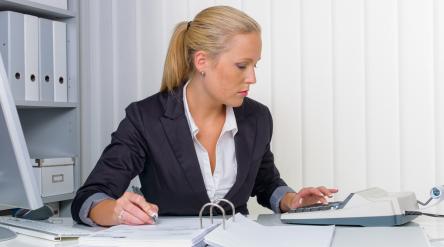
[(306, 196)]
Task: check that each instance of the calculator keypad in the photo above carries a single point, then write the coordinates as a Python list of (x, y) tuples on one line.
[(317, 207)]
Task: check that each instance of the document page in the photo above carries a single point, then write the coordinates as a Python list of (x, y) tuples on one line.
[(169, 231), (245, 232)]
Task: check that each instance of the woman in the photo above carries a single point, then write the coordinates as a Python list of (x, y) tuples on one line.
[(199, 139)]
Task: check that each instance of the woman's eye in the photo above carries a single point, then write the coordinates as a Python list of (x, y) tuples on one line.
[(241, 66)]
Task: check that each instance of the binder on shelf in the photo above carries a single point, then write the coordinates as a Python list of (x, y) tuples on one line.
[(12, 50), (59, 56), (46, 62), (31, 47)]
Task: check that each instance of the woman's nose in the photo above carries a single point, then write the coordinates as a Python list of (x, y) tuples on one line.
[(251, 77)]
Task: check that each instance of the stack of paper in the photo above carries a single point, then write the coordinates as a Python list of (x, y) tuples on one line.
[(245, 232), (168, 232)]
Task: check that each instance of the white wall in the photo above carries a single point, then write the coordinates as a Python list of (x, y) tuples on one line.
[(356, 87)]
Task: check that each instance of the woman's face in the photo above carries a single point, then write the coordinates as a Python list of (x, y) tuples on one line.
[(229, 76)]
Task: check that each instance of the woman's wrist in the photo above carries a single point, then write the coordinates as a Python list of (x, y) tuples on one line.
[(100, 214), (285, 203)]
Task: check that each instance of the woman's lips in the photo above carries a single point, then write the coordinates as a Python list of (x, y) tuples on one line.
[(244, 93)]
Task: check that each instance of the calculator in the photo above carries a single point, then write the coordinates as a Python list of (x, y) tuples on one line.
[(370, 207)]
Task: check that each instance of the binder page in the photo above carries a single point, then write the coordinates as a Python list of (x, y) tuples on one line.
[(169, 231), (245, 232)]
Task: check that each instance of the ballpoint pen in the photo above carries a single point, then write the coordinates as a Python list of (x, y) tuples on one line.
[(137, 190)]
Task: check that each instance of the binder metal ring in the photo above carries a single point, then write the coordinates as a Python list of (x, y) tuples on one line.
[(211, 204), (228, 202)]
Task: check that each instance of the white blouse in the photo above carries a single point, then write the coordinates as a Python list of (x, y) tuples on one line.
[(225, 171)]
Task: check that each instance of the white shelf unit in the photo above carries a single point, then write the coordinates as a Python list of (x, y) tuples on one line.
[(52, 129)]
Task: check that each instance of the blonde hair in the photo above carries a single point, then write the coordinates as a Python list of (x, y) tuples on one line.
[(210, 31)]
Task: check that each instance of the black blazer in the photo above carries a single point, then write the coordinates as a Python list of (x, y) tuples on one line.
[(154, 142)]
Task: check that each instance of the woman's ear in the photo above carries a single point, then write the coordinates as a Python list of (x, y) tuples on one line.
[(201, 61)]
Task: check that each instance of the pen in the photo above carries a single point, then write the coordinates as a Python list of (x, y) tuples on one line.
[(137, 190)]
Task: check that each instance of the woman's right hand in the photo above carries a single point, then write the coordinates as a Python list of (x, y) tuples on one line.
[(133, 209), (129, 209)]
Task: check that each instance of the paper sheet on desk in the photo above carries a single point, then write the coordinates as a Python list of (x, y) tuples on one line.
[(245, 232), (170, 231)]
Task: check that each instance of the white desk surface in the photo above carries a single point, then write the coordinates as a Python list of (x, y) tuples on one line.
[(380, 236), (433, 227)]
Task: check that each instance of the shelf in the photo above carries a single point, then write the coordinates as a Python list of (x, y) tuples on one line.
[(21, 104), (32, 8), (52, 129), (56, 198)]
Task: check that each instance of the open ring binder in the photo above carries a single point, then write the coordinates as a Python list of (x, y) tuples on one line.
[(213, 204)]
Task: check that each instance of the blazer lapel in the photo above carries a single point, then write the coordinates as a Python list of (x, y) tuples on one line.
[(244, 142), (177, 130)]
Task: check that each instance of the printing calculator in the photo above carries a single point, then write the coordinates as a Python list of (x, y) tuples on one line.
[(370, 207)]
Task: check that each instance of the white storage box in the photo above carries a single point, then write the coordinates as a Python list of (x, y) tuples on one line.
[(55, 179)]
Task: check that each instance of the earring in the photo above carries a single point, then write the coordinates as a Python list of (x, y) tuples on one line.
[(202, 74)]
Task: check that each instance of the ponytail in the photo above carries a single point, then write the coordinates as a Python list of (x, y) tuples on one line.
[(176, 65)]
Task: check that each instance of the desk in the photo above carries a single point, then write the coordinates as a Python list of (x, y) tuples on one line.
[(377, 236), (344, 237)]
